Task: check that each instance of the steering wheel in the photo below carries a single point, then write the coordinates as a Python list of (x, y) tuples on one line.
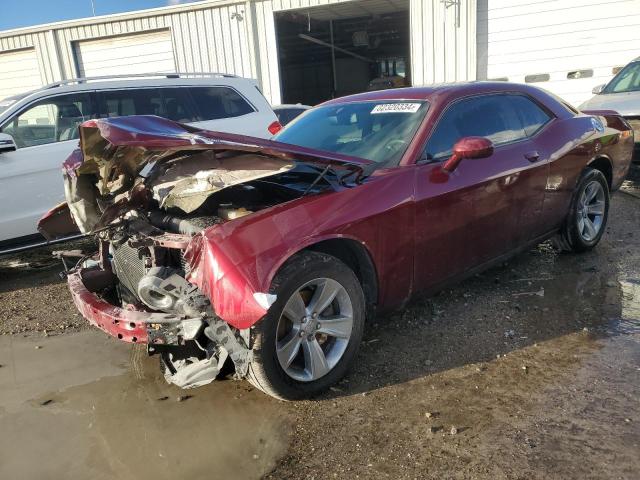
[(395, 145)]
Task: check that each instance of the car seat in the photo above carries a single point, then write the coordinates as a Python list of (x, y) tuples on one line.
[(69, 117)]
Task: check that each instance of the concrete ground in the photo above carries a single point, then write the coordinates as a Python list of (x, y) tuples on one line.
[(528, 371)]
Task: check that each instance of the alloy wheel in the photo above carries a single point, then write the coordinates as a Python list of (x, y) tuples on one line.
[(314, 329), (591, 210)]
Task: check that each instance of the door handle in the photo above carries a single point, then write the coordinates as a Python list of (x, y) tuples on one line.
[(532, 156)]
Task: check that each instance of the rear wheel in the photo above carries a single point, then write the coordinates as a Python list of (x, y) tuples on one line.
[(310, 336), (588, 214)]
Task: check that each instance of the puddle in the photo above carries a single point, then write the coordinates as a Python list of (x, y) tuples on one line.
[(629, 321), (84, 406)]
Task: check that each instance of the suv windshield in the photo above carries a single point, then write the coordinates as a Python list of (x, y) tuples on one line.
[(379, 131), (628, 80)]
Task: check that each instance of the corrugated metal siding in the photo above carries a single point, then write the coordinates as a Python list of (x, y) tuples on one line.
[(441, 49), (239, 38), (204, 40), (215, 38), (517, 38)]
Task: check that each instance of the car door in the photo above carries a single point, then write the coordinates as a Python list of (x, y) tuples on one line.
[(487, 206), (45, 133)]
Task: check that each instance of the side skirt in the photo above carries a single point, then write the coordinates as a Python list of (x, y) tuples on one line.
[(483, 266)]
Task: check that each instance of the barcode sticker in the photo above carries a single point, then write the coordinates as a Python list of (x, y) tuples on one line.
[(396, 108)]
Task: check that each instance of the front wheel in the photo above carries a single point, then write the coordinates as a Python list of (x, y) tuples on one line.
[(588, 214), (310, 336)]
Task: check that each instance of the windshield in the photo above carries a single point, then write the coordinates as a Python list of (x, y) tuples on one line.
[(628, 80), (379, 131)]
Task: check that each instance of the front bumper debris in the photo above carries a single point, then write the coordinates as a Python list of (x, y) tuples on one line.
[(176, 337), (130, 326)]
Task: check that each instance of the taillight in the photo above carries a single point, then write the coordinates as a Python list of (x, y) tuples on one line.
[(274, 128)]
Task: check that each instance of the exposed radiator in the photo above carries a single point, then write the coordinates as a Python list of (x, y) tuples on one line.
[(184, 264), (128, 267)]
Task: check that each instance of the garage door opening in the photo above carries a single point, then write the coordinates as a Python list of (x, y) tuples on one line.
[(341, 49)]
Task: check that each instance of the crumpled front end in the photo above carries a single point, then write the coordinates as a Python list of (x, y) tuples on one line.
[(235, 292), (150, 189), (182, 328)]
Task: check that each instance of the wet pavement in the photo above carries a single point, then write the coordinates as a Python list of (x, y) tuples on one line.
[(82, 406), (530, 370)]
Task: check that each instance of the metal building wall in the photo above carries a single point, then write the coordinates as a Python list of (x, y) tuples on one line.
[(239, 37), (44, 43), (204, 40), (574, 44), (211, 36), (443, 41)]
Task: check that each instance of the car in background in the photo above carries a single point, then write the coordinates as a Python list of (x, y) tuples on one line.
[(391, 73), (270, 254), (39, 129), (386, 82), (287, 113), (621, 94)]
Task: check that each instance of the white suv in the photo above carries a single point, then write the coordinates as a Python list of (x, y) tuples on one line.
[(38, 130)]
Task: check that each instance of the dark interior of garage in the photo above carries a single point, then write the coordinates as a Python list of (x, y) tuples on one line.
[(332, 51)]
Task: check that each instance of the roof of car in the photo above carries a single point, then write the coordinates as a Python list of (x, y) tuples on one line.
[(428, 92), (132, 81), (292, 105)]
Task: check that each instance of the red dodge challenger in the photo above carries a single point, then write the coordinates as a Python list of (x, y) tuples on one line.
[(270, 255)]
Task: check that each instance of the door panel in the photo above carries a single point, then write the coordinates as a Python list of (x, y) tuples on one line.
[(487, 206), (484, 208), (30, 184), (45, 133)]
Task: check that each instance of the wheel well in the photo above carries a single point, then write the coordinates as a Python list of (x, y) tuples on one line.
[(356, 257), (604, 165)]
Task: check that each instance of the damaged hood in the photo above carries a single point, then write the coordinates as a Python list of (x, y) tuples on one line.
[(151, 133), (178, 165)]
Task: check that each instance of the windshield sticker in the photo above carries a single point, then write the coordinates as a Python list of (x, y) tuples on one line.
[(396, 108)]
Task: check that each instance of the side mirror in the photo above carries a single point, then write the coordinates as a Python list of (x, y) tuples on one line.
[(467, 148), (6, 143), (598, 89)]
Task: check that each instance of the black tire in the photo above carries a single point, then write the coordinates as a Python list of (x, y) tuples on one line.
[(570, 238), (265, 371)]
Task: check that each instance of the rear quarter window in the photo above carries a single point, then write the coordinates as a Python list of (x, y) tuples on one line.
[(178, 105), (533, 117), (214, 103)]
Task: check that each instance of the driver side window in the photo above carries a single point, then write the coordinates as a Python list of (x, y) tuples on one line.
[(50, 120), (490, 116)]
